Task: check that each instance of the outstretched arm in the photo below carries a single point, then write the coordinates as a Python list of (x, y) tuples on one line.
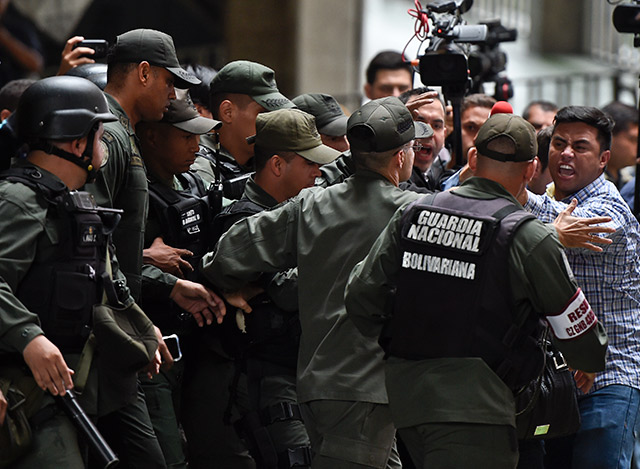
[(577, 232)]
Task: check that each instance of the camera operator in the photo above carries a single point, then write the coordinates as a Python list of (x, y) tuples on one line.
[(388, 75)]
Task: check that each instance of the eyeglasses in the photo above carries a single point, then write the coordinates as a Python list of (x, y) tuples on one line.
[(417, 147)]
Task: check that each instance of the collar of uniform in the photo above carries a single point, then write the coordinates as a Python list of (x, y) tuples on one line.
[(258, 195), (174, 183), (482, 188), (116, 110), (24, 163), (362, 173), (225, 155)]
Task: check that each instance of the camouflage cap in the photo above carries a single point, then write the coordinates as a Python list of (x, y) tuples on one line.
[(253, 79), (520, 132), (330, 119), (380, 125), (182, 113), (292, 130), (154, 47)]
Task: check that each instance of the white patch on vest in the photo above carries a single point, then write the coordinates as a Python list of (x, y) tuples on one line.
[(442, 229), (439, 265), (575, 320), (190, 216)]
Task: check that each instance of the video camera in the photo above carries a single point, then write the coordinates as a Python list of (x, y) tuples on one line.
[(450, 61)]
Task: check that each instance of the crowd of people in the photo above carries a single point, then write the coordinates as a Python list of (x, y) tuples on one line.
[(307, 287)]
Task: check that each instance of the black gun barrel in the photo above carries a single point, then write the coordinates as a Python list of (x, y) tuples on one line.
[(101, 449)]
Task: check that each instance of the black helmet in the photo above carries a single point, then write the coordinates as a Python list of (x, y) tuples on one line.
[(60, 108), (96, 73)]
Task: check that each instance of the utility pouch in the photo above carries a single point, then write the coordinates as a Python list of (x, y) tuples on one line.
[(24, 398), (127, 333)]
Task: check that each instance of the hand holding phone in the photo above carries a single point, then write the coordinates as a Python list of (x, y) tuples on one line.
[(100, 47), (173, 344)]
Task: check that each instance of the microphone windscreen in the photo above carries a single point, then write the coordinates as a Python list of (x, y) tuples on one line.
[(501, 107)]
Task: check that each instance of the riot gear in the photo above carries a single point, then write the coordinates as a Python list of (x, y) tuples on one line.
[(63, 289), (62, 108), (458, 244)]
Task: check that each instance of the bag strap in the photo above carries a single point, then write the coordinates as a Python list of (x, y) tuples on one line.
[(86, 356)]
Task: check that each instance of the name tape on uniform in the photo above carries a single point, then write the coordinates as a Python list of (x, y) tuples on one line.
[(442, 229), (575, 320)]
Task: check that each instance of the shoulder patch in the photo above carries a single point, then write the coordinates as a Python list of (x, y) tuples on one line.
[(105, 152)]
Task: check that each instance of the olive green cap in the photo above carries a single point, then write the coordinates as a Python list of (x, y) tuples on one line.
[(252, 79), (380, 125), (513, 127), (330, 119), (292, 130), (182, 113), (154, 47)]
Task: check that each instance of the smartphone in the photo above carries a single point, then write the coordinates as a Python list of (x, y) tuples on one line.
[(100, 46), (173, 344)]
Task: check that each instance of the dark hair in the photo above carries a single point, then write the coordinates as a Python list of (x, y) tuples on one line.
[(10, 93), (387, 60), (240, 100), (404, 97), (544, 141), (546, 106), (593, 117), (200, 93), (477, 100), (262, 155), (622, 114), (117, 72)]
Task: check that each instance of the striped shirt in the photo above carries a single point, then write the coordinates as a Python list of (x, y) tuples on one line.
[(610, 279)]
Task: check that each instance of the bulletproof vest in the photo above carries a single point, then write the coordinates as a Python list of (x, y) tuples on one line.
[(458, 248), (183, 216), (271, 334), (64, 284), (240, 209)]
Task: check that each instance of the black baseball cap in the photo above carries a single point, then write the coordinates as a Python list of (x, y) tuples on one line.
[(182, 113), (516, 129), (154, 47), (380, 125), (252, 79)]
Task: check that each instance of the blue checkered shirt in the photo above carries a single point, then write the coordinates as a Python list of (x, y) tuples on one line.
[(610, 279)]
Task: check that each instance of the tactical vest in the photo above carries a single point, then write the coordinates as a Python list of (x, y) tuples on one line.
[(271, 334), (63, 285), (458, 248), (184, 216), (232, 176)]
